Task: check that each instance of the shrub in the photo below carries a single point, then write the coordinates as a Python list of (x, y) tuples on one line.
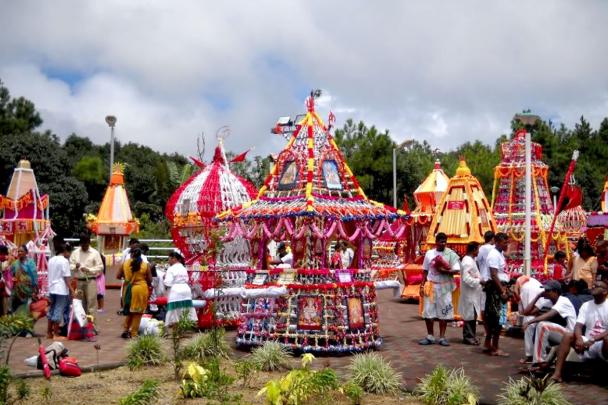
[(204, 345), (447, 387), (270, 357), (353, 392), (208, 382), (178, 332), (5, 379), (245, 370), (145, 351), (145, 395), (23, 390), (300, 384), (532, 391), (372, 373)]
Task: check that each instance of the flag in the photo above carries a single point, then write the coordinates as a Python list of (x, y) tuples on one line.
[(573, 197), (331, 119), (197, 162), (240, 158)]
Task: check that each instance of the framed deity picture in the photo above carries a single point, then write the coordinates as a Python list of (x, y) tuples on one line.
[(366, 251), (310, 312), (299, 246), (331, 175), (288, 276), (356, 319), (289, 175), (344, 276)]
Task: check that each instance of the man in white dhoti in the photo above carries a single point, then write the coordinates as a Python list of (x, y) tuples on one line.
[(470, 294)]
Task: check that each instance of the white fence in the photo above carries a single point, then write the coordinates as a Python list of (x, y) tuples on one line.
[(158, 247)]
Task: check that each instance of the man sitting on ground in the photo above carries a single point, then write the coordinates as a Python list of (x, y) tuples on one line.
[(553, 324), (593, 344), (528, 292)]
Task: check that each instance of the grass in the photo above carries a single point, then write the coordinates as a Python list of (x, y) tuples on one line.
[(270, 357), (206, 345), (531, 391), (145, 351), (145, 395), (447, 387), (374, 374)]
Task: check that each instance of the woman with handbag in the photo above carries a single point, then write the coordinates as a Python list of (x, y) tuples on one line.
[(137, 277), (25, 281)]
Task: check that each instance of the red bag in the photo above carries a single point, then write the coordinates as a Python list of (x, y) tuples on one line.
[(68, 367)]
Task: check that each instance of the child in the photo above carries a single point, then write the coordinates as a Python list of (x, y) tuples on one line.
[(559, 265)]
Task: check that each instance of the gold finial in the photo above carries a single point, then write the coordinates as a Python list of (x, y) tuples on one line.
[(463, 169), (24, 164)]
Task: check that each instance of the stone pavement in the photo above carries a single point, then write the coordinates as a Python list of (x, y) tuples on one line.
[(400, 327)]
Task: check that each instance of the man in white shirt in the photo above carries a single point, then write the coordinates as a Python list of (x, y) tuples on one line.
[(531, 303), (60, 290), (496, 293), (553, 324), (593, 316), (484, 271), (86, 265), (347, 255), (470, 294), (126, 254), (284, 258), (440, 264)]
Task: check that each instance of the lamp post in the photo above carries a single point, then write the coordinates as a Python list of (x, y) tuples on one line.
[(403, 145), (554, 190), (111, 121)]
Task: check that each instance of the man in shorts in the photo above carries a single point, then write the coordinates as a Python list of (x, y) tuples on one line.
[(60, 290), (440, 264), (593, 316)]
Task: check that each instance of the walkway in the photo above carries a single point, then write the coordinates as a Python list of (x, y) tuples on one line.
[(400, 327)]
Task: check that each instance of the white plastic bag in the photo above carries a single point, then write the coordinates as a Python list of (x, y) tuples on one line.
[(79, 313)]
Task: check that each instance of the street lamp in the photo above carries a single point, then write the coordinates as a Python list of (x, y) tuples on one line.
[(111, 121), (554, 191), (403, 145)]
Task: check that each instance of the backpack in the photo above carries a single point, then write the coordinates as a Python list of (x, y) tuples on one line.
[(68, 367), (53, 353)]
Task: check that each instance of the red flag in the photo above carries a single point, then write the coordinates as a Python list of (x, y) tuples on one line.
[(197, 162), (331, 119), (573, 198), (240, 158)]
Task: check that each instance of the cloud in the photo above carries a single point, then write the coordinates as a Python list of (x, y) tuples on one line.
[(443, 72)]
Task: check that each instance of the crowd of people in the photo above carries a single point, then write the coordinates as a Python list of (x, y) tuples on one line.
[(80, 273), (569, 311)]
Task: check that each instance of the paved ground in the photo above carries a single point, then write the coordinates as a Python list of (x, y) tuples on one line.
[(400, 327)]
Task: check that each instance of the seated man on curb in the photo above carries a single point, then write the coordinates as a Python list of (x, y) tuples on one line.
[(553, 324), (528, 291), (593, 344)]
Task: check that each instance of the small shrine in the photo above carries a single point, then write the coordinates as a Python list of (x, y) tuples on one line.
[(25, 212), (25, 218), (217, 268), (597, 221), (114, 222), (464, 213), (508, 202), (427, 196), (309, 200)]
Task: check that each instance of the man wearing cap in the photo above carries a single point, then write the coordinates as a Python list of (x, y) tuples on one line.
[(553, 324)]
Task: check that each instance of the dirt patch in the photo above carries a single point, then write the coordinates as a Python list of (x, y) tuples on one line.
[(108, 387)]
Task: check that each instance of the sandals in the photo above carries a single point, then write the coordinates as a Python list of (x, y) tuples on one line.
[(499, 353), (126, 335)]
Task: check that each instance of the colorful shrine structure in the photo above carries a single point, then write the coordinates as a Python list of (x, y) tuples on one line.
[(427, 196), (309, 199), (114, 222), (218, 269), (597, 221), (464, 213), (508, 202), (25, 218)]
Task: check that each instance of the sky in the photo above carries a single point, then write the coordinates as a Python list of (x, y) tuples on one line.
[(444, 72)]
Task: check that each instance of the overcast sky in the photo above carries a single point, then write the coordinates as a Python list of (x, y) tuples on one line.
[(445, 72)]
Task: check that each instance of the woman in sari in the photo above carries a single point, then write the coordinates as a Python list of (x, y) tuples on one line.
[(180, 295), (25, 281), (137, 277)]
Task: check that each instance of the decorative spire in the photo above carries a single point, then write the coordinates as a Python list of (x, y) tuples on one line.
[(463, 169), (437, 164)]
